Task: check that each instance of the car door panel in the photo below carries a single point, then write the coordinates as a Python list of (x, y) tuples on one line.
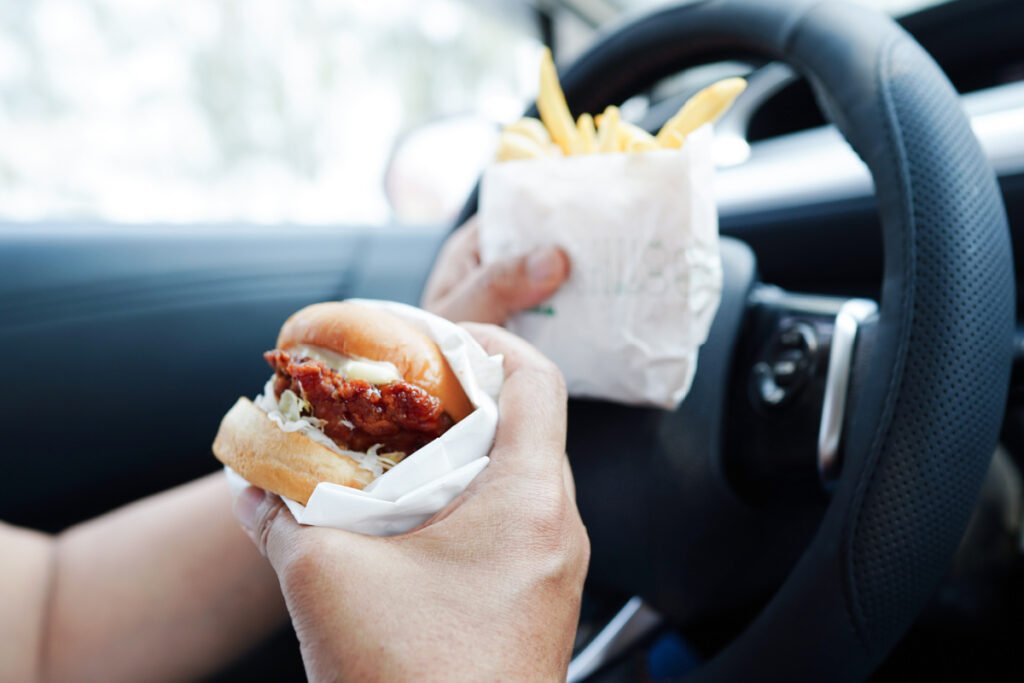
[(124, 346)]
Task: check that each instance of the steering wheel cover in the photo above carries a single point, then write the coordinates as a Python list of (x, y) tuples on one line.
[(927, 417)]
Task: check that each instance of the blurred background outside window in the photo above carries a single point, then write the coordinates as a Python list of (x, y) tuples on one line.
[(269, 111)]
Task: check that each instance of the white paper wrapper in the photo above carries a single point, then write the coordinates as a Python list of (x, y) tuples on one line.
[(641, 232), (425, 482)]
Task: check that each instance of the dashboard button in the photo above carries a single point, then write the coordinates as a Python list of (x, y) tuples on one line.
[(787, 365)]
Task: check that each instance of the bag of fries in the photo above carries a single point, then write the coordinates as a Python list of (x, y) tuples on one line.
[(636, 214)]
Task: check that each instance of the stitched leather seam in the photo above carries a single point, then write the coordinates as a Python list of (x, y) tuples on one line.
[(906, 305)]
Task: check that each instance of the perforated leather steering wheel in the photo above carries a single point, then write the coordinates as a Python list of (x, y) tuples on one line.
[(926, 391)]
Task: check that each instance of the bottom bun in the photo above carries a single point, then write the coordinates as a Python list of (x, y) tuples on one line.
[(286, 463)]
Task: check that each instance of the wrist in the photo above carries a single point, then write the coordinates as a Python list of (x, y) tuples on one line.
[(357, 645), (441, 664)]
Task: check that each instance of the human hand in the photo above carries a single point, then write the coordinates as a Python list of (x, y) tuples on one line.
[(460, 288), (489, 589)]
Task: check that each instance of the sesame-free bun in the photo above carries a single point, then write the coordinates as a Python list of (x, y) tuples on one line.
[(286, 463), (372, 334)]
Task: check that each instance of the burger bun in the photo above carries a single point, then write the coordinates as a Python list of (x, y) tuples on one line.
[(286, 463)]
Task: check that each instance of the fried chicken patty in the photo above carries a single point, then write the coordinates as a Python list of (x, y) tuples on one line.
[(356, 414)]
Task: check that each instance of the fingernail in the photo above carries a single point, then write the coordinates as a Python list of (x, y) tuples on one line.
[(544, 265), (246, 504)]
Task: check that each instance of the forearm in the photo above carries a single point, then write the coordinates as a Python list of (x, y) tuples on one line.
[(166, 589), (25, 564)]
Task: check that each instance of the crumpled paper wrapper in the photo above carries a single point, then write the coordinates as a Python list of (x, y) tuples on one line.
[(425, 482), (641, 232)]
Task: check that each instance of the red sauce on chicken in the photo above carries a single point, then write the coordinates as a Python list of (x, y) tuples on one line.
[(398, 415)]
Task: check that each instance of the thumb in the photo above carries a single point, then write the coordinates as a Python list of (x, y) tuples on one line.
[(500, 289), (269, 524)]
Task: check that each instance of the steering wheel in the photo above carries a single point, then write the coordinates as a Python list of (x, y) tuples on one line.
[(839, 528)]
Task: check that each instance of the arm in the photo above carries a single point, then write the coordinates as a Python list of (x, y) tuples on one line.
[(24, 578), (165, 589)]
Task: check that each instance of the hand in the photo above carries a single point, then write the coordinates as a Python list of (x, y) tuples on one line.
[(461, 289), (489, 589)]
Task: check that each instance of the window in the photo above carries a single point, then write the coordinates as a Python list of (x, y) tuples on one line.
[(270, 111)]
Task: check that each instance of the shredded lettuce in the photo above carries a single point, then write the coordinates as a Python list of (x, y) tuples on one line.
[(291, 406), (286, 413)]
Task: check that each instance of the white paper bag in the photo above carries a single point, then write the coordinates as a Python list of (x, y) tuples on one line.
[(641, 232), (421, 485)]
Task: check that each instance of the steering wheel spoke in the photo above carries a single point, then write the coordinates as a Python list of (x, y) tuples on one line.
[(789, 394)]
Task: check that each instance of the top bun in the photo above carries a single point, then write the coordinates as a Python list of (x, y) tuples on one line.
[(372, 334)]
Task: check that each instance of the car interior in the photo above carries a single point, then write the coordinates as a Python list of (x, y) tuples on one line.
[(855, 432)]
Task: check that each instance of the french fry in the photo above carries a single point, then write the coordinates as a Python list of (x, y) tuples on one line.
[(554, 111), (632, 138), (674, 140), (607, 130), (643, 145), (704, 107), (513, 146), (531, 128), (588, 134), (555, 133)]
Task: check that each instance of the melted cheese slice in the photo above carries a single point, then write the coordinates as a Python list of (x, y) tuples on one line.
[(372, 371)]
